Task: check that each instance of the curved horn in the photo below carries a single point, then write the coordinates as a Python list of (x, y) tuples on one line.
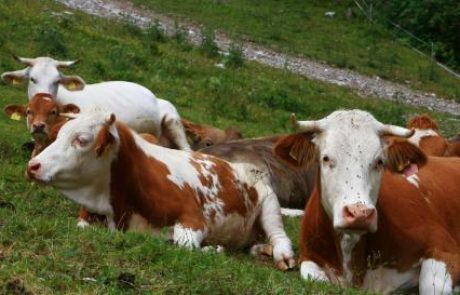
[(69, 115), (25, 60), (392, 130), (305, 126), (66, 64)]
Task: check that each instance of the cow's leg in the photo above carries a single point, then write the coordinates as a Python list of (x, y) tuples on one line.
[(83, 218), (188, 237), (311, 271), (272, 224), (436, 277), (174, 131)]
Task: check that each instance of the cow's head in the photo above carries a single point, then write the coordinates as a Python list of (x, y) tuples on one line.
[(81, 154), (427, 136), (42, 113), (44, 76), (203, 136), (351, 151)]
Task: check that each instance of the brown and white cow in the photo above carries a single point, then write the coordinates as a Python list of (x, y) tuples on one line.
[(42, 114), (293, 186), (367, 226), (109, 169), (204, 135), (428, 137)]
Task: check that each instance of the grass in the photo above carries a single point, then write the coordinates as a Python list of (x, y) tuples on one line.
[(43, 252), (300, 27)]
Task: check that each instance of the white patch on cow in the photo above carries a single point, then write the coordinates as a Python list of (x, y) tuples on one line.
[(386, 280), (187, 237), (414, 180), (421, 133), (292, 212), (311, 271), (434, 278), (82, 223), (347, 243)]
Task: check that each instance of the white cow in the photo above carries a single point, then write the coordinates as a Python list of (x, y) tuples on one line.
[(132, 103)]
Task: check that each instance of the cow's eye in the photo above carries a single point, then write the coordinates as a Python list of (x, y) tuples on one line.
[(28, 112), (379, 163), (82, 140), (326, 159), (54, 112), (33, 80)]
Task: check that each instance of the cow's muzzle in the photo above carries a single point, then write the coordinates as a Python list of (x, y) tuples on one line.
[(358, 217)]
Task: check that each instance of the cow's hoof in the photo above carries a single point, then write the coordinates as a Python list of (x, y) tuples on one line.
[(285, 264), (82, 223), (262, 249)]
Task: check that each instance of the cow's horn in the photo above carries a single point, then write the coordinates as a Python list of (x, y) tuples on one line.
[(392, 130), (25, 60), (66, 64)]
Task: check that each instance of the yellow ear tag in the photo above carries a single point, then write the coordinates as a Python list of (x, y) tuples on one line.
[(15, 116), (15, 81), (72, 86)]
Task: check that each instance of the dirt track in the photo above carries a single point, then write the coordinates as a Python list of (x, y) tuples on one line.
[(363, 85)]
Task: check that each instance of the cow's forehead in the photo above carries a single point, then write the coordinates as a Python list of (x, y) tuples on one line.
[(89, 122), (350, 119), (44, 64)]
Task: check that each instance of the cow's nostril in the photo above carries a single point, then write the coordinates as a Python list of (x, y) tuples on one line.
[(34, 167)]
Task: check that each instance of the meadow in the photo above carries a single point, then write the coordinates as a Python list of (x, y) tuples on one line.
[(41, 249)]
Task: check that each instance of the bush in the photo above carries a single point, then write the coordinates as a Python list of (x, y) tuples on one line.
[(235, 58), (208, 45)]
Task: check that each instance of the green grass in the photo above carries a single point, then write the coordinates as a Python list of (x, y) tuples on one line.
[(39, 243), (300, 27)]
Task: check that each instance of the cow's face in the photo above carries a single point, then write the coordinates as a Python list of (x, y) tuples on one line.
[(81, 153), (43, 76), (42, 114), (352, 153)]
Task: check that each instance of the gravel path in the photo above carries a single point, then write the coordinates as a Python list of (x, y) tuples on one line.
[(363, 85)]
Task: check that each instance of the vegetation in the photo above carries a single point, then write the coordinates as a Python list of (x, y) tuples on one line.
[(301, 27), (42, 251)]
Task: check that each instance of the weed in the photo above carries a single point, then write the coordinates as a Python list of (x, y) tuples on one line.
[(208, 44)]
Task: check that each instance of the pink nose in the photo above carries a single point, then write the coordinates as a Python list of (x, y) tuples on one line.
[(32, 168), (38, 127), (358, 217)]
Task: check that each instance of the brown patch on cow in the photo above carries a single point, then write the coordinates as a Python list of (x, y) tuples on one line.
[(297, 149), (103, 139), (150, 138), (423, 121), (401, 154)]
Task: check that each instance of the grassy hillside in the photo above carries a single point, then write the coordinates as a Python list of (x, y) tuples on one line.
[(300, 27), (43, 252)]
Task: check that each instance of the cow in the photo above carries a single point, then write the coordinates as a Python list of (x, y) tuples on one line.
[(42, 114), (428, 137), (109, 169), (292, 186), (204, 135), (132, 103), (376, 219)]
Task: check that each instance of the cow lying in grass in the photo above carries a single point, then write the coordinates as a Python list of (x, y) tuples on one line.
[(109, 169), (134, 104), (428, 137), (42, 114), (367, 226)]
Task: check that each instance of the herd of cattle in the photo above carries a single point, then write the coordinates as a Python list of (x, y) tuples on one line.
[(381, 201)]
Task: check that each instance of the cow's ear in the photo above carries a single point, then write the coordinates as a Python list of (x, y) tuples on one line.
[(15, 77), (72, 83), (297, 150), (401, 154), (69, 108), (233, 133), (15, 112), (105, 137)]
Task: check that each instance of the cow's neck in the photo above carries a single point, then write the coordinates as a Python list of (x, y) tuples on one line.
[(350, 249), (133, 175)]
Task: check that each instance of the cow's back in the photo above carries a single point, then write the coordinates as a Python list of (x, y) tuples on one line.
[(292, 186), (132, 103)]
